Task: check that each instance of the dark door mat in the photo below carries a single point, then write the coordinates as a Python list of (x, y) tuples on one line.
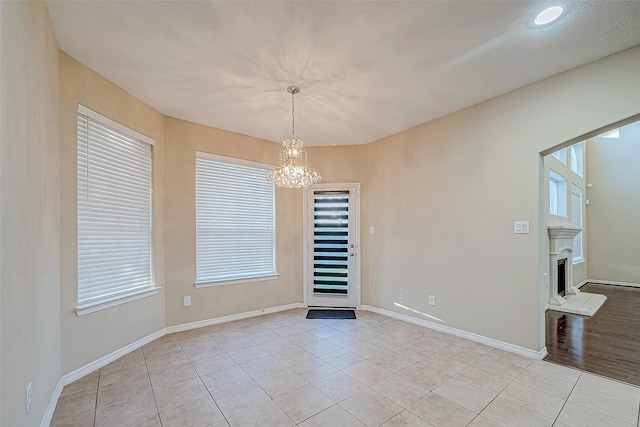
[(331, 314)]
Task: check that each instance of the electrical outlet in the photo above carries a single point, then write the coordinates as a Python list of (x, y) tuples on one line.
[(372, 230), (29, 398), (432, 300), (187, 301)]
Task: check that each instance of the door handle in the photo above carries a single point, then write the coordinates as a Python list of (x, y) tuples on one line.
[(352, 254)]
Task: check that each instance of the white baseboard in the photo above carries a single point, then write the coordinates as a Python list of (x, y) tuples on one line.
[(609, 282), (53, 401), (105, 360), (230, 318), (91, 367), (581, 284), (541, 354)]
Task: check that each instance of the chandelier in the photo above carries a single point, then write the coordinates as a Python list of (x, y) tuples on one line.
[(292, 170)]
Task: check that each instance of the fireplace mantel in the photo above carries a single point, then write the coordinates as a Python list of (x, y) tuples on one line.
[(563, 231), (561, 238)]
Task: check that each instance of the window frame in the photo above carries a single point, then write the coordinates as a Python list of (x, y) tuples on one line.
[(561, 155), (577, 159), (575, 190), (260, 171), (90, 305), (560, 194)]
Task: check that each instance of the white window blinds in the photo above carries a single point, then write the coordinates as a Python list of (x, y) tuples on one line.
[(576, 221), (235, 220), (114, 210)]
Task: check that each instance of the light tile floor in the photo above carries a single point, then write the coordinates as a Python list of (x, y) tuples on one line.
[(284, 370)]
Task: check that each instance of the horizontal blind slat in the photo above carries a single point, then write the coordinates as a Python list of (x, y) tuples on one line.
[(235, 221), (114, 211)]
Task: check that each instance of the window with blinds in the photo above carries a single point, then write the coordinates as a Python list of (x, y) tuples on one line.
[(235, 221), (576, 221), (114, 210)]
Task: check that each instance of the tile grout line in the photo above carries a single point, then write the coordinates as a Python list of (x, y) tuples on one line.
[(95, 408), (494, 398), (354, 333), (153, 392), (567, 399), (596, 410)]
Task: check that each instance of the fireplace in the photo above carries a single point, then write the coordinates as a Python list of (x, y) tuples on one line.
[(563, 294), (560, 252), (562, 276)]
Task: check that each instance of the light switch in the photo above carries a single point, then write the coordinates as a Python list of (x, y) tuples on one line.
[(371, 230), (521, 227)]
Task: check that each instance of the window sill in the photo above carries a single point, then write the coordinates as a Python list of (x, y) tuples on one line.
[(209, 283), (94, 306), (578, 261)]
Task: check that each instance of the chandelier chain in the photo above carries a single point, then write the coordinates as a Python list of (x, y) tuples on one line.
[(293, 114), (293, 170)]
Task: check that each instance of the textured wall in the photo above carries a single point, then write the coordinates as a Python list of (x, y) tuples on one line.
[(89, 337), (614, 206), (30, 219), (443, 197), (183, 139)]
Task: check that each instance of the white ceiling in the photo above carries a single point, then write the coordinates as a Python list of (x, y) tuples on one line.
[(366, 69)]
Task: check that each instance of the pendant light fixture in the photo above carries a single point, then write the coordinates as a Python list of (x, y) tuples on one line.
[(292, 170)]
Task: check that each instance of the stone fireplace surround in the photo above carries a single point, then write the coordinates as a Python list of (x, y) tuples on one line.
[(574, 301)]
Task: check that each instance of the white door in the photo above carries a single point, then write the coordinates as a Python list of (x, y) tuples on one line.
[(332, 265)]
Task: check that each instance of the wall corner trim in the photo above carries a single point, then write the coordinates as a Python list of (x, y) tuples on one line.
[(105, 360), (533, 354)]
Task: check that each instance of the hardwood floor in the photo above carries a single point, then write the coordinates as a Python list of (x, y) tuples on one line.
[(606, 344)]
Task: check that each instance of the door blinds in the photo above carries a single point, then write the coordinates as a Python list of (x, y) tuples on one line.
[(330, 242)]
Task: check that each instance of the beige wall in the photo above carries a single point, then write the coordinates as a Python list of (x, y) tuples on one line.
[(614, 206), (89, 337), (29, 268), (443, 197), (183, 139)]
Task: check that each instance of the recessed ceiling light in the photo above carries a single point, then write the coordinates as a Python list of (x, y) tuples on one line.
[(548, 15)]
